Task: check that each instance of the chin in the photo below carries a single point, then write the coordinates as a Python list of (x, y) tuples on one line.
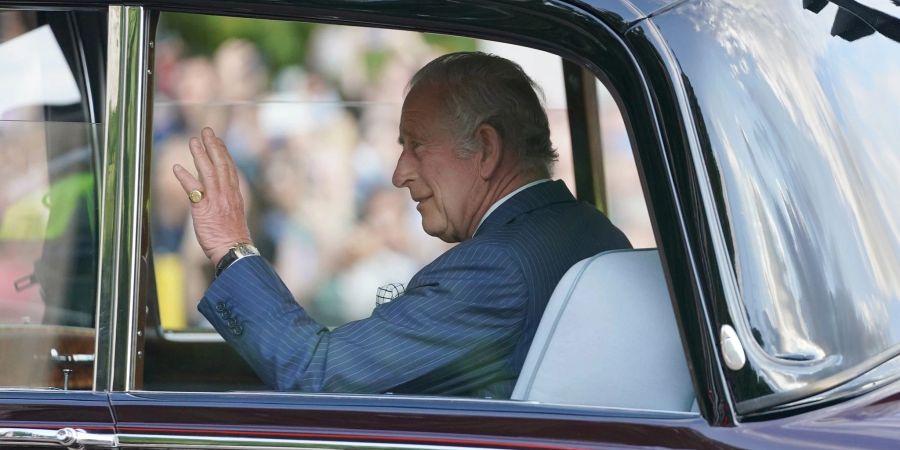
[(449, 239), (440, 233)]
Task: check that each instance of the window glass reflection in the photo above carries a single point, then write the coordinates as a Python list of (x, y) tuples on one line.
[(48, 209), (802, 127)]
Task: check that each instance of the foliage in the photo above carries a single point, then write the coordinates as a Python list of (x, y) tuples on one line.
[(281, 43)]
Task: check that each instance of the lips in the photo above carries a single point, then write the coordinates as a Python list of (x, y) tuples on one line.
[(420, 200)]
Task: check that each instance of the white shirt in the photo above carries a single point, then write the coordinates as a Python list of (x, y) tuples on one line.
[(507, 197)]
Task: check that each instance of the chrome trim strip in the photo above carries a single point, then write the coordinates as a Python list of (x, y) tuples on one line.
[(120, 210), (132, 192), (106, 273), (410, 401), (181, 441)]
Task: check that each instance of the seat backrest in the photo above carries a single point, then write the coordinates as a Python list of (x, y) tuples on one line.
[(609, 338)]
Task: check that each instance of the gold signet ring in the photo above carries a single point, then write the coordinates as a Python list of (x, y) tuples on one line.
[(195, 196)]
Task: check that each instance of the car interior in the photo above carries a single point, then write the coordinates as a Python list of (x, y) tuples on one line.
[(619, 351), (633, 326)]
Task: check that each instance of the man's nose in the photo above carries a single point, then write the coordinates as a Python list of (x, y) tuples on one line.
[(405, 170)]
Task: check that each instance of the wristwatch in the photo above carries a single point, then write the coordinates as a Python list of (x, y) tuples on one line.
[(240, 250)]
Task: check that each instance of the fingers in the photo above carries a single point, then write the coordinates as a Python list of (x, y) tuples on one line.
[(186, 179), (205, 168), (218, 215), (221, 159), (216, 172)]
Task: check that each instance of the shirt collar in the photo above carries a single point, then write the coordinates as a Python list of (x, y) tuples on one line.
[(505, 198)]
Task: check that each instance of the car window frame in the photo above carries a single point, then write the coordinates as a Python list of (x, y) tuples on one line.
[(632, 93)]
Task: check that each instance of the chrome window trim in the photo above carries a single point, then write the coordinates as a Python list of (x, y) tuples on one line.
[(212, 442), (105, 205), (121, 202), (365, 401)]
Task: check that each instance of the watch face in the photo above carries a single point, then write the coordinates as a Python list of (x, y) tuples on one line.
[(237, 252), (243, 249)]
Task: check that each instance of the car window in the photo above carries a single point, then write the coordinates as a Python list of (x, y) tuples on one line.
[(311, 120), (48, 205), (624, 199), (325, 120), (805, 156)]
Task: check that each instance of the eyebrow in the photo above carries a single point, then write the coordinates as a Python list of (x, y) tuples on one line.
[(412, 134), (402, 141)]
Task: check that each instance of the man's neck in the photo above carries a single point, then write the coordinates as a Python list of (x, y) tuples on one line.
[(506, 197), (498, 191)]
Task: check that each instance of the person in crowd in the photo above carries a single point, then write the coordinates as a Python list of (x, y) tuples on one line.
[(476, 157)]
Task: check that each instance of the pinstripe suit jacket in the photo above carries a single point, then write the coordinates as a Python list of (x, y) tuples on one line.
[(463, 326)]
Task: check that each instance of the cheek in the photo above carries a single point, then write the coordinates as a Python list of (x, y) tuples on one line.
[(434, 211), (449, 180), (452, 205), (433, 219)]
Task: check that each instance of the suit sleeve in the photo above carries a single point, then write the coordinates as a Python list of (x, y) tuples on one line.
[(465, 308)]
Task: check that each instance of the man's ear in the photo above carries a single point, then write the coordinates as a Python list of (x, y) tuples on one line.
[(491, 153)]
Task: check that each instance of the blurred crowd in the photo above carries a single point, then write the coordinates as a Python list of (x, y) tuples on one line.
[(315, 144)]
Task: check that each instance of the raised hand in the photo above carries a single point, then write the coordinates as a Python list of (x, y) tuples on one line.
[(217, 207)]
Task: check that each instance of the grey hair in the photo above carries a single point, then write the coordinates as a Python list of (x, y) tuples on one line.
[(487, 89)]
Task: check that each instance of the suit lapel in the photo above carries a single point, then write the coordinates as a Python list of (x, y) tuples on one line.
[(537, 196)]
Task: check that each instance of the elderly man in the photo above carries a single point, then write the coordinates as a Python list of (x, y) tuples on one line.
[(476, 158)]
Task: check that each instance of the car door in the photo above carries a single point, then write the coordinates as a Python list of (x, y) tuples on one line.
[(171, 389), (51, 135)]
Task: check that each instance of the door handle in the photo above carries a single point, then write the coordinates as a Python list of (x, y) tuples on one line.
[(71, 438)]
